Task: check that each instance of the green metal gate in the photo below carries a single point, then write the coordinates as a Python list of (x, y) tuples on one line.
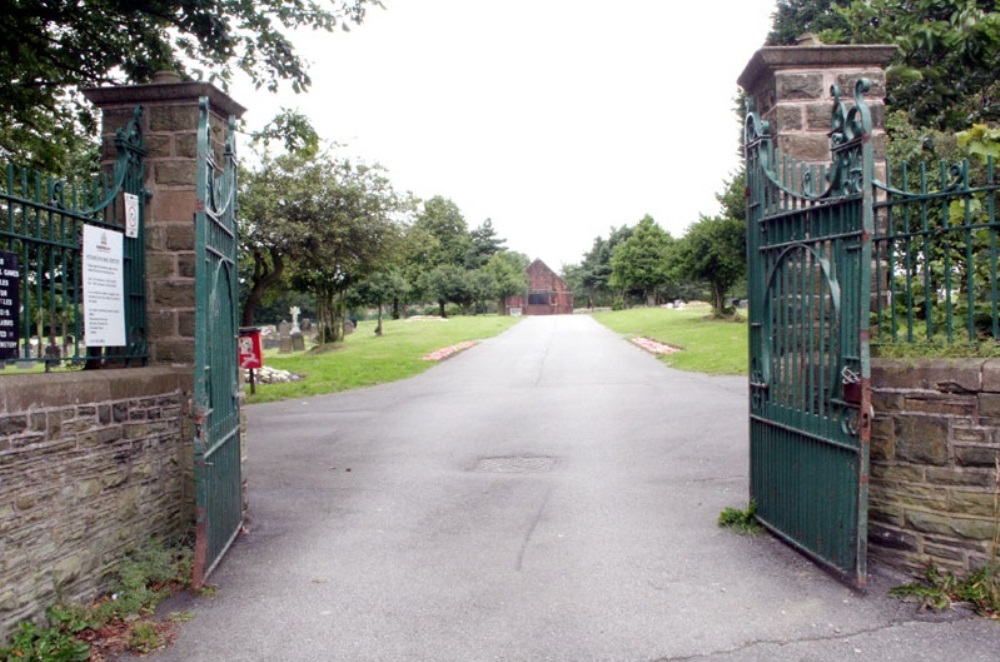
[(809, 231), (218, 479)]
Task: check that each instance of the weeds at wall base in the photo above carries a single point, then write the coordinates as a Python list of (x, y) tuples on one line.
[(939, 591), (117, 622)]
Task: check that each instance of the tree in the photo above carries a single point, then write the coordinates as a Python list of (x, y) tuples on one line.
[(483, 286), (485, 244), (448, 283), (713, 250), (510, 272), (595, 269), (50, 49), (794, 18), (733, 198), (273, 222), (354, 231), (944, 73), (381, 288), (441, 219), (640, 262)]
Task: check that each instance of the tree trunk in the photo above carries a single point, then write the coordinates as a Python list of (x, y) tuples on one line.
[(395, 308), (261, 280), (340, 313), (320, 320), (378, 325), (441, 308), (719, 296)]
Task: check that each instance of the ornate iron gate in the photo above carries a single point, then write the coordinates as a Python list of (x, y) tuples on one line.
[(809, 234), (218, 479)]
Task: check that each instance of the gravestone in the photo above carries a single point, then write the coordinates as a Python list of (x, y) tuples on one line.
[(269, 337), (298, 342), (284, 337)]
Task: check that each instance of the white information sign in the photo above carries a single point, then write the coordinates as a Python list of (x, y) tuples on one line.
[(131, 215), (103, 288)]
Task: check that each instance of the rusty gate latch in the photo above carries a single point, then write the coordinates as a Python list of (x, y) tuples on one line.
[(852, 386)]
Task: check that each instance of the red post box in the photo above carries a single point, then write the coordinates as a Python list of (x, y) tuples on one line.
[(250, 353)]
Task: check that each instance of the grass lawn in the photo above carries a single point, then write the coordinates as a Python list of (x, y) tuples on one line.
[(365, 360), (716, 347)]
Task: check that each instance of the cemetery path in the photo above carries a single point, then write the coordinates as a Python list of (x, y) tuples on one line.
[(550, 494)]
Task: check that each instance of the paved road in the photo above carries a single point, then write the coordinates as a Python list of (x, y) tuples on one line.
[(550, 494)]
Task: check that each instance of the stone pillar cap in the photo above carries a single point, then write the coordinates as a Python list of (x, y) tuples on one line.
[(766, 61), (159, 92)]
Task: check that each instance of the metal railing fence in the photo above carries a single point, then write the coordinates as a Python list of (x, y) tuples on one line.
[(935, 255), (42, 296)]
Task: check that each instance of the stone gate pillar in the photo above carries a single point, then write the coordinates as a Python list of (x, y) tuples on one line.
[(790, 87), (170, 130)]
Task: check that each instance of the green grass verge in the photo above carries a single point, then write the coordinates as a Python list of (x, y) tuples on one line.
[(365, 359), (712, 346)]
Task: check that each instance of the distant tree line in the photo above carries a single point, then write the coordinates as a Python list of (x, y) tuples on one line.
[(643, 264), (320, 224)]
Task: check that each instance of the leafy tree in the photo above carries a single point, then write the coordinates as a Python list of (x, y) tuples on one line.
[(640, 262), (595, 269), (381, 288), (448, 283), (944, 74), (794, 18), (273, 222), (50, 49), (713, 250), (355, 231), (293, 130), (734, 196), (442, 220), (510, 272), (485, 244), (483, 285)]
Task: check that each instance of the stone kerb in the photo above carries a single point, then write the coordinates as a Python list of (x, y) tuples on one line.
[(169, 125), (790, 88)]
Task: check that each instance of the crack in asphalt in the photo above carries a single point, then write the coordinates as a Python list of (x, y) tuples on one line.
[(541, 364), (764, 642), (531, 530)]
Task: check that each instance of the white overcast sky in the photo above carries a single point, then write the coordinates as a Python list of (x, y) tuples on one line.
[(555, 118)]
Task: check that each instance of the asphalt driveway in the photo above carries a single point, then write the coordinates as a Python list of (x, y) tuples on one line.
[(550, 494)]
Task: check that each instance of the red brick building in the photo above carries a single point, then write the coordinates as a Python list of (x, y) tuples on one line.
[(547, 294)]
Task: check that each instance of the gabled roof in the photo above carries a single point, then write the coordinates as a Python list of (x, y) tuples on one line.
[(539, 262)]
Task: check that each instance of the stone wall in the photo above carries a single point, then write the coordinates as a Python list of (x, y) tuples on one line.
[(91, 463), (935, 444), (94, 462)]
